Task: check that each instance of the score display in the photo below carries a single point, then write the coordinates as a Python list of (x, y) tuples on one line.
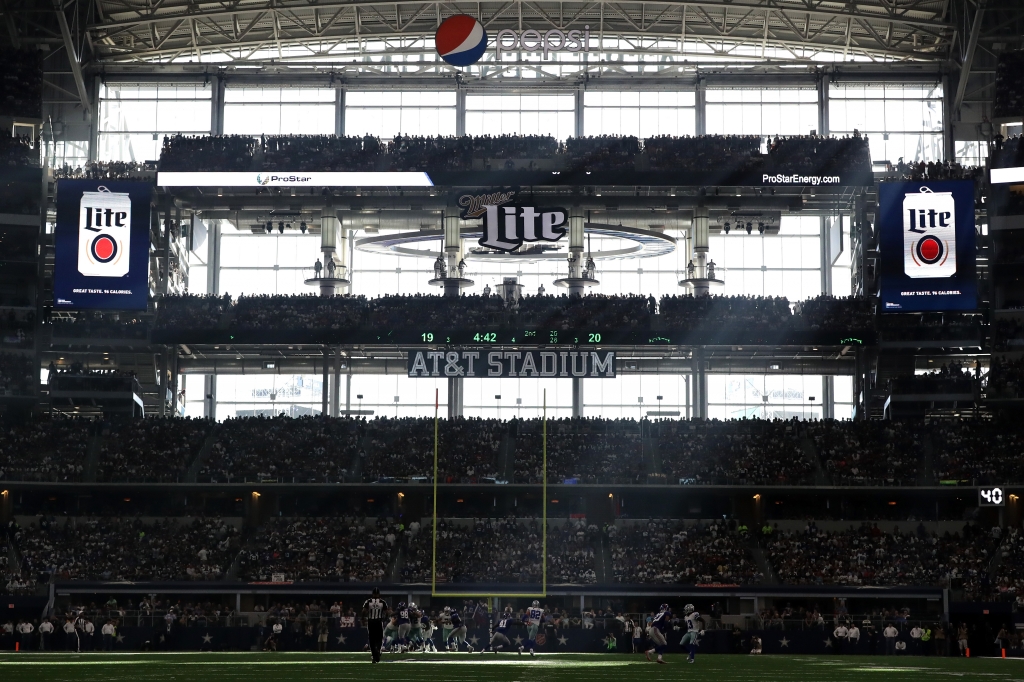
[(991, 497), (533, 336)]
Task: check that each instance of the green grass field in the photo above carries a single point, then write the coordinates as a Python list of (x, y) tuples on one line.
[(284, 667)]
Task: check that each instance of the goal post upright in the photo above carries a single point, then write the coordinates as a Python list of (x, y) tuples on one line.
[(544, 519)]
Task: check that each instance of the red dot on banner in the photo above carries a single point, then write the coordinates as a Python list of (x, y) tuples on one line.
[(929, 249), (104, 248)]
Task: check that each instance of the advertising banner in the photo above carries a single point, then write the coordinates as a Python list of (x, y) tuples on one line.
[(504, 363), (926, 245), (102, 245)]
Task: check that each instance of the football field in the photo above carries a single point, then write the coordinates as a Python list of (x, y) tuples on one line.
[(283, 667)]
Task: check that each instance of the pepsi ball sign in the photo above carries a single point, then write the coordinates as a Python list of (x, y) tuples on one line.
[(460, 40)]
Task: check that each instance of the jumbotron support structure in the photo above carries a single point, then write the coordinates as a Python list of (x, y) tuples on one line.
[(580, 277), (334, 276), (451, 266), (700, 272)]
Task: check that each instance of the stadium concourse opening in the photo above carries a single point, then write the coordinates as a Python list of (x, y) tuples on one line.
[(595, 338)]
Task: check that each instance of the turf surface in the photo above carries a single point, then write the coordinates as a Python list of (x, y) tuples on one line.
[(284, 667)]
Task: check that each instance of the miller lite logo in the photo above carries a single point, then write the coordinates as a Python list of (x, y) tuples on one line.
[(929, 234), (104, 233), (507, 227)]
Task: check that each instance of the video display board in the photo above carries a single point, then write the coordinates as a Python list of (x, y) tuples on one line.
[(102, 245), (926, 246)]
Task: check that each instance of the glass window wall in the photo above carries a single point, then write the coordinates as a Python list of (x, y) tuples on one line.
[(643, 114), (385, 114), (900, 120), (521, 115), (135, 117), (766, 112), (279, 111)]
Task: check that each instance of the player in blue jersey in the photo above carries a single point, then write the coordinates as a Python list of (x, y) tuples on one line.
[(404, 625), (427, 634), (657, 633), (532, 620), (499, 639), (459, 631), (694, 629)]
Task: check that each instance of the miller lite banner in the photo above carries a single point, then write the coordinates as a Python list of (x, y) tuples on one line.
[(102, 245), (926, 244)]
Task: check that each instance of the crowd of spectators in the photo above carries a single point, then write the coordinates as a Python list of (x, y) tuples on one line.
[(284, 449), (16, 150), (581, 450), (745, 451), (128, 548), (44, 449), (152, 450), (1009, 90), (18, 374), (503, 550), (937, 170), (979, 452), (98, 325), (866, 452), (673, 552), (312, 449), (869, 556), (21, 83), (736, 153), (338, 549), (1009, 574), (107, 170), (1005, 377), (269, 313)]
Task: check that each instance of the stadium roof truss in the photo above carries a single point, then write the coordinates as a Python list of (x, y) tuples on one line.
[(390, 37)]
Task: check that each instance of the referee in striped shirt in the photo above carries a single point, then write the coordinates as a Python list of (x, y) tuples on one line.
[(375, 610)]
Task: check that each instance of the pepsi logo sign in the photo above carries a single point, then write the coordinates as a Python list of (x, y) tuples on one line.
[(460, 40)]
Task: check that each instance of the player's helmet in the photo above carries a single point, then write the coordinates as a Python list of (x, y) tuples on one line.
[(689, 609), (401, 604), (664, 607), (536, 603), (447, 609), (412, 605)]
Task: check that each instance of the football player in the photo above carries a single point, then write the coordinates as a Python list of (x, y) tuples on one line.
[(656, 632), (532, 619), (694, 629), (499, 640), (458, 636)]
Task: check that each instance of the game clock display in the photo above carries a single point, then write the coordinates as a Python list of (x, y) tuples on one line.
[(991, 497), (527, 336)]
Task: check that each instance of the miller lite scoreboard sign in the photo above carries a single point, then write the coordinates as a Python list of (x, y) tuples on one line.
[(511, 363), (926, 244), (102, 245)]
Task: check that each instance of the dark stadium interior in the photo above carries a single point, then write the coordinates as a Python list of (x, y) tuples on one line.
[(293, 306)]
